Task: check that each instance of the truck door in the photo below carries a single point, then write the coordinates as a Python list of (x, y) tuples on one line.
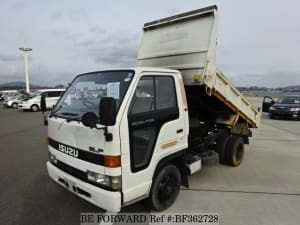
[(153, 121)]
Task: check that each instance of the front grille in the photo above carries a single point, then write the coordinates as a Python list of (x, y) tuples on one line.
[(282, 108), (71, 170)]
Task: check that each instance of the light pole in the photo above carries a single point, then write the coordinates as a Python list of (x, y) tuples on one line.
[(25, 50)]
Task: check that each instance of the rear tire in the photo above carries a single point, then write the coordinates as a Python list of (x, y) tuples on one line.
[(165, 188), (235, 151), (222, 141), (34, 108)]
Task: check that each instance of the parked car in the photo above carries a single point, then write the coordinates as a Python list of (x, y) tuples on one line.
[(8, 93), (33, 103), (13, 102), (288, 107)]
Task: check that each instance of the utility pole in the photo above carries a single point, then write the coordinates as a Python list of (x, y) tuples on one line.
[(25, 50)]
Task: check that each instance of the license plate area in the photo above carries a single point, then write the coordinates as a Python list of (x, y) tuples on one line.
[(68, 184), (72, 187)]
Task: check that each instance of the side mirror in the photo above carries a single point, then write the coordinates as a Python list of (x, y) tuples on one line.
[(107, 110), (43, 103)]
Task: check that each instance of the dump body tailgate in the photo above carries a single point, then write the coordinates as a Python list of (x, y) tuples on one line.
[(187, 42)]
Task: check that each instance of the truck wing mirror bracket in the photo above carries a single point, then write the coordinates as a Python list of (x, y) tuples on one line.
[(90, 120)]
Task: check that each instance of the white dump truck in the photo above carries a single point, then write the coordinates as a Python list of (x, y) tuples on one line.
[(119, 136)]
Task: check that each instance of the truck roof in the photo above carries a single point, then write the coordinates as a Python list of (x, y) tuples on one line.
[(138, 69), (155, 69)]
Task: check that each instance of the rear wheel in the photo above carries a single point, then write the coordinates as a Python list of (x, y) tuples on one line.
[(235, 151), (34, 108), (165, 188), (222, 141)]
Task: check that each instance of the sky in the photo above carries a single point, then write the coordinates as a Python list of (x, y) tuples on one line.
[(258, 40)]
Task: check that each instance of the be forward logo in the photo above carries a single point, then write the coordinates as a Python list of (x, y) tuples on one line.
[(68, 150)]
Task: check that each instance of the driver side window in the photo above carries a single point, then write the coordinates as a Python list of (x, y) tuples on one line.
[(143, 100)]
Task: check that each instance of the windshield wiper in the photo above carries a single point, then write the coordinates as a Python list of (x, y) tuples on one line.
[(69, 114), (73, 116)]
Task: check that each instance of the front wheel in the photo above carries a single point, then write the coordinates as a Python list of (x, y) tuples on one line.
[(165, 188), (14, 105), (235, 151)]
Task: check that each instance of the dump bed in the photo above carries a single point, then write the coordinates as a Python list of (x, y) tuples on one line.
[(187, 42)]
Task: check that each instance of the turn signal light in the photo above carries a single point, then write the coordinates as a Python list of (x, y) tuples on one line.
[(47, 139), (112, 161)]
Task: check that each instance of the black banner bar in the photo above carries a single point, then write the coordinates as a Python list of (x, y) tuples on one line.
[(77, 153)]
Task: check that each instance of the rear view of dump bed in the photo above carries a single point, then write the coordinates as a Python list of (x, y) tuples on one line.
[(187, 42)]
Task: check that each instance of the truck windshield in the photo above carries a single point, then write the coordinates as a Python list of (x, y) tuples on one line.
[(86, 90)]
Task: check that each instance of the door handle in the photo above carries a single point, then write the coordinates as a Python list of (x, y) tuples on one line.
[(179, 131)]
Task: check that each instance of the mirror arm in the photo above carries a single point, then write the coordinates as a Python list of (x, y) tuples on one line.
[(108, 136)]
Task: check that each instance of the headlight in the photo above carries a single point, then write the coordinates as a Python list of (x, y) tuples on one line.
[(98, 178), (52, 158), (294, 109), (272, 108), (108, 181)]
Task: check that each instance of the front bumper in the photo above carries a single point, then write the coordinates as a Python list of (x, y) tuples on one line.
[(5, 103), (23, 106), (108, 200)]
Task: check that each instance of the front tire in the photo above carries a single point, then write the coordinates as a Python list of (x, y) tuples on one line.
[(235, 151), (34, 108), (14, 105), (271, 116), (165, 188)]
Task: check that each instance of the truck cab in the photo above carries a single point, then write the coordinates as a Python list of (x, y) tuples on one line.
[(151, 125)]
